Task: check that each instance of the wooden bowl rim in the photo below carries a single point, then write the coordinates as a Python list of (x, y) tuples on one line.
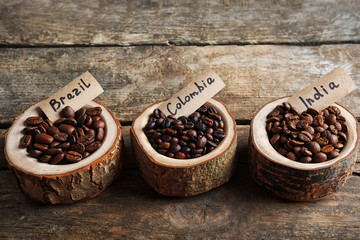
[(165, 161), (279, 159), (67, 169)]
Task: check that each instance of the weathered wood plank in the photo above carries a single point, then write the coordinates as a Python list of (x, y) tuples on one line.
[(135, 77), (49, 22), (130, 209), (242, 147)]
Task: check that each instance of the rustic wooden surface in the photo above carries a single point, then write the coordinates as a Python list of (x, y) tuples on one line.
[(251, 73), (144, 51), (50, 22)]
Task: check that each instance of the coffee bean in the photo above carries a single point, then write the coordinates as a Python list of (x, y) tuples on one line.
[(201, 143), (25, 141), (35, 153), (94, 111), (40, 147), (33, 121), (320, 157), (52, 130), (164, 145), (330, 119), (200, 133), (301, 137), (291, 156), (53, 151), (68, 112), (314, 147), (274, 139), (305, 159), (61, 136), (92, 147), (327, 148), (45, 158), (44, 138), (333, 154), (57, 158), (73, 156), (100, 134), (180, 155), (67, 133), (66, 128), (175, 148)]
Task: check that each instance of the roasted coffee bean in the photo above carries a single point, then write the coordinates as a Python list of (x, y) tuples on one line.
[(320, 157), (330, 119), (88, 121), (64, 146), (186, 134), (70, 121), (92, 147), (333, 154), (44, 138), (72, 139), (164, 145), (327, 148), (305, 136), (33, 121), (306, 152), (61, 136), (45, 158), (40, 147), (274, 139), (52, 130), (175, 148), (66, 128), (59, 121), (57, 158), (94, 111), (100, 134), (67, 133), (68, 112), (314, 147), (78, 147), (180, 155), (25, 141), (35, 153), (301, 137), (73, 156), (53, 151), (291, 156), (85, 154), (306, 159)]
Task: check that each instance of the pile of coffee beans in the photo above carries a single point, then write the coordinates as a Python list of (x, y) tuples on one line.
[(185, 137), (69, 139), (309, 137)]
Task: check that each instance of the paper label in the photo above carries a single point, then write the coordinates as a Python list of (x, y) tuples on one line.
[(194, 95), (324, 92), (76, 94)]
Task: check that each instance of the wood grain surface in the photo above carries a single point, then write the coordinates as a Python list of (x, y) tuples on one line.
[(50, 22), (130, 209), (145, 51), (135, 77)]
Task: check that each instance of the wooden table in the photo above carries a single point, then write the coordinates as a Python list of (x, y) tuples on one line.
[(145, 51)]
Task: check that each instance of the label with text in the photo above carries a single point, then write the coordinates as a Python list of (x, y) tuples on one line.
[(324, 92), (76, 94), (194, 95)]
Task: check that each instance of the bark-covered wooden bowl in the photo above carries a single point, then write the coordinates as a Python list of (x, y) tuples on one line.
[(294, 180), (67, 183), (185, 177)]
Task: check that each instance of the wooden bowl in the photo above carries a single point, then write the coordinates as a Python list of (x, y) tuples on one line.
[(68, 183), (185, 177), (295, 180)]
